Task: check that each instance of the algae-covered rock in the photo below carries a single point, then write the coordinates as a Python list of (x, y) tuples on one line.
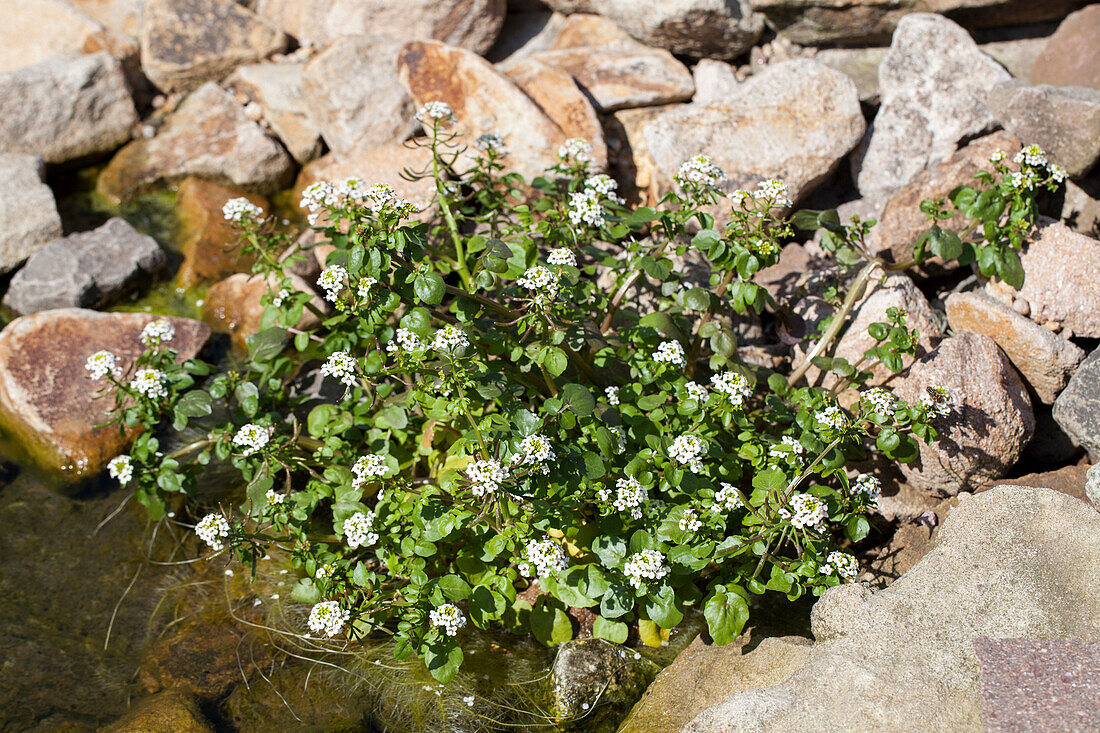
[(167, 711), (590, 672)]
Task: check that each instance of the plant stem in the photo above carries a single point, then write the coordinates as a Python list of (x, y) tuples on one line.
[(460, 253)]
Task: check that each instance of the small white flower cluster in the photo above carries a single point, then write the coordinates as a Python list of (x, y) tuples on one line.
[(585, 207), (239, 209), (150, 382), (937, 400), (832, 417), (576, 148), (773, 190), (541, 281), (318, 195), (562, 256), (324, 572), (612, 395), (328, 618), (882, 401), (359, 530), (735, 385), (997, 156), (546, 557), (405, 340), (686, 449), (1032, 155), (645, 565), (274, 498), (726, 499), (841, 563), (670, 352), (1057, 172), (696, 391), (436, 111), (1025, 180), (805, 511), (157, 332), (619, 435), (450, 339), (690, 521), (492, 142), (630, 496), (332, 282), (788, 447), (280, 297), (372, 465), (341, 365), (699, 172), (535, 450), (121, 468), (486, 476), (448, 618), (364, 287), (253, 437), (102, 363), (213, 529), (867, 485), (605, 186)]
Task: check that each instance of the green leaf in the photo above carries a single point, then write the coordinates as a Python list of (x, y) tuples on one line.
[(1010, 269), (267, 344), (555, 360), (578, 399), (248, 397), (454, 587), (443, 659), (611, 550), (391, 418), (305, 591), (594, 467), (661, 607), (617, 601), (550, 623), (770, 479), (697, 299), (429, 288), (726, 613), (195, 403), (614, 631)]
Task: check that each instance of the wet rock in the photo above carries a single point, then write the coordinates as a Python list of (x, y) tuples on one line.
[(28, 212), (234, 306), (209, 242), (1044, 359), (901, 222), (990, 419), (794, 121), (469, 24), (1071, 57), (715, 81), (1077, 409), (187, 42), (203, 662), (47, 400), (484, 101), (277, 88), (355, 96), (86, 270), (36, 30), (208, 136), (1092, 485), (858, 64), (933, 83), (587, 671), (1065, 122), (299, 697), (166, 711), (713, 28), (70, 107), (1014, 561), (1061, 270)]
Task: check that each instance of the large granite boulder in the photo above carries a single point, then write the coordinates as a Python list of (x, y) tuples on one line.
[(28, 212), (277, 89), (1065, 122), (1071, 57)]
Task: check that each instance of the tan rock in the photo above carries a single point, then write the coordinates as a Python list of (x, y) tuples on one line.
[(209, 242), (166, 711), (1081, 209), (277, 88), (1071, 57), (714, 81), (1064, 122), (200, 661), (48, 402), (1044, 359), (234, 306), (36, 30), (121, 16), (630, 153)]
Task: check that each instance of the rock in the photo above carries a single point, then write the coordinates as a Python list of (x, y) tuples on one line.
[(234, 306), (525, 33), (202, 661), (1081, 208), (1071, 57), (913, 539), (277, 88), (91, 269), (1064, 122), (715, 81), (28, 213), (587, 671), (1044, 359), (1017, 55), (1092, 485), (1068, 480), (933, 83), (782, 280), (1050, 445), (990, 419), (858, 64), (165, 711), (355, 96), (794, 121), (187, 42), (1077, 409), (469, 24), (615, 70), (630, 153), (901, 222), (722, 29), (484, 101), (47, 400), (207, 241), (704, 675), (208, 136), (1061, 269), (1011, 562), (69, 107), (121, 16), (36, 30), (299, 697)]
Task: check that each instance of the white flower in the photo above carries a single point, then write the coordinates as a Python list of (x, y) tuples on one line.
[(328, 618), (937, 400), (546, 556), (1032, 155), (450, 339), (738, 197), (341, 366), (699, 172), (690, 521), (318, 195), (788, 447), (774, 191), (867, 485), (213, 529), (279, 297), (274, 498), (486, 476), (670, 352), (436, 111), (620, 436), (325, 571), (239, 209), (364, 287), (612, 395), (102, 363), (332, 281), (686, 449), (630, 496), (579, 149), (150, 382), (727, 498), (253, 437), (358, 530), (535, 450), (1057, 173), (121, 468), (562, 256), (489, 141), (541, 281), (605, 186), (735, 386), (1024, 180), (841, 563), (585, 206), (805, 511), (645, 565), (405, 340), (882, 401), (157, 332), (696, 391), (997, 156), (448, 618), (832, 417), (468, 700)]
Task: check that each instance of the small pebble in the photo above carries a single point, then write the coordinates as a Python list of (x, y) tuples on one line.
[(1021, 306)]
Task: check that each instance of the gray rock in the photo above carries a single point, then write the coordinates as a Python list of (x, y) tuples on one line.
[(69, 107), (1063, 121), (277, 88), (794, 121), (933, 83), (1015, 561), (1081, 208), (355, 96), (715, 81), (587, 671), (28, 212), (1077, 409), (86, 270), (1092, 485), (1018, 55), (859, 64)]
